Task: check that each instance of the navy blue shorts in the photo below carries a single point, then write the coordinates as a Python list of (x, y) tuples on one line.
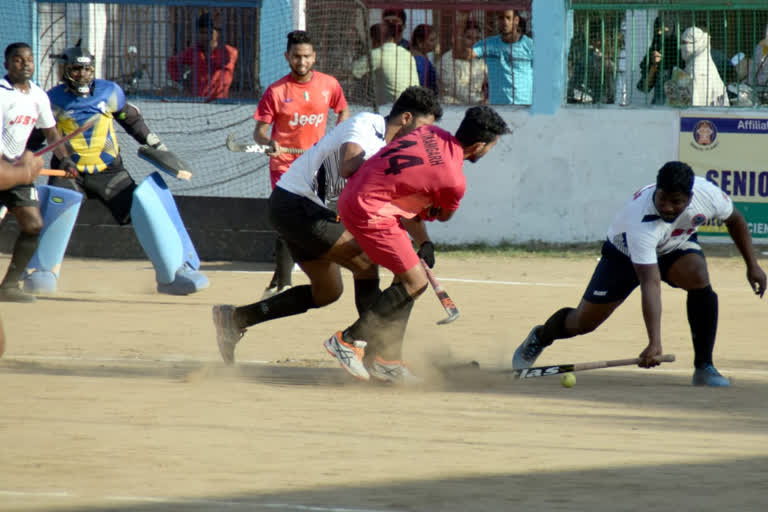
[(615, 278)]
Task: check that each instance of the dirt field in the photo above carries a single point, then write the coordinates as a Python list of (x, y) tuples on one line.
[(114, 398)]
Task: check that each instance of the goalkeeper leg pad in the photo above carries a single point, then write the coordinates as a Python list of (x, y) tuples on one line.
[(59, 208), (164, 238)]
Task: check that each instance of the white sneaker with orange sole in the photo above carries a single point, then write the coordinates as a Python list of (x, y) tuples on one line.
[(350, 356)]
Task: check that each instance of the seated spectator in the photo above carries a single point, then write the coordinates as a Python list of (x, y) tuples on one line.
[(462, 79), (706, 86), (206, 68), (509, 57), (591, 77), (396, 17), (423, 42), (393, 68)]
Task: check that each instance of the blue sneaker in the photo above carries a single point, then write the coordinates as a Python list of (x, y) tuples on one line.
[(709, 376), (528, 351)]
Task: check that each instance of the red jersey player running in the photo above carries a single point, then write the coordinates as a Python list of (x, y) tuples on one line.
[(296, 106), (418, 175)]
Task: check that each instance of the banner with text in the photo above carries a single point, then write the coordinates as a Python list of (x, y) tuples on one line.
[(730, 152)]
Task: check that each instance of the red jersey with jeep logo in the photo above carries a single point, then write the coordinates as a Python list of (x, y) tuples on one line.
[(298, 113)]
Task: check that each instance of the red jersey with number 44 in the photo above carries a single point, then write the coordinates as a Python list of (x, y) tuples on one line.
[(298, 113), (421, 170)]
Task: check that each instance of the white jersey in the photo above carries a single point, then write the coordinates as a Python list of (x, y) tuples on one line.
[(19, 113), (639, 232), (364, 129)]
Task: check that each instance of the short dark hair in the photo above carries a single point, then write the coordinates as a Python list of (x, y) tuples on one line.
[(297, 37), (480, 124), (420, 34), (205, 21), (13, 47), (419, 101), (400, 13), (675, 177)]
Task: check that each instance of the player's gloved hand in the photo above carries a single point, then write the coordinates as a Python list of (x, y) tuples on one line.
[(68, 165), (427, 253), (154, 142)]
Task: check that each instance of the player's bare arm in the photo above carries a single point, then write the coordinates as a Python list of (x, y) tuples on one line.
[(352, 157), (343, 115), (650, 288), (261, 136), (24, 172), (739, 231)]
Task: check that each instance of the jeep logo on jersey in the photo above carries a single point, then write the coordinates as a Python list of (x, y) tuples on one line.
[(315, 119)]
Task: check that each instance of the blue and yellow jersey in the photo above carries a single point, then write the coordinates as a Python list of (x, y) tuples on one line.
[(96, 148)]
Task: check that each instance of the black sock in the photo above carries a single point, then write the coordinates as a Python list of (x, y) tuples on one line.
[(366, 293), (291, 302), (284, 264), (702, 317), (392, 350), (554, 328), (382, 312), (26, 245)]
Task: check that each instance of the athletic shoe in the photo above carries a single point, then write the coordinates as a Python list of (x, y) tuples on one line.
[(528, 351), (709, 376), (350, 356), (227, 333), (395, 372), (15, 294), (274, 290)]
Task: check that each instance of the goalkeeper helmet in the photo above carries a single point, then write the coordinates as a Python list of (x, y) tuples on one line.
[(79, 70)]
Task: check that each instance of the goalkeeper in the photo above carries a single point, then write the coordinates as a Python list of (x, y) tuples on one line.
[(101, 175)]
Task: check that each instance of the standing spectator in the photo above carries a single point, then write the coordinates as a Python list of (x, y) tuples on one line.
[(509, 56), (205, 69), (393, 68), (663, 55), (396, 18), (296, 107), (758, 70), (423, 42), (462, 79)]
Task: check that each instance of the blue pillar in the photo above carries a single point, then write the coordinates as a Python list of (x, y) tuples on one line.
[(549, 43), (18, 25), (275, 23)]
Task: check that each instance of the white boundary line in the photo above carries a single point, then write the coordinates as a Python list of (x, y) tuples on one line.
[(249, 504)]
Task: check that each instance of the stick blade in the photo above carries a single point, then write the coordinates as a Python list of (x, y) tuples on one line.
[(453, 316)]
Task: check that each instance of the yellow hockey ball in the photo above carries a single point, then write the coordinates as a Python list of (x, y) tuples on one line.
[(568, 380)]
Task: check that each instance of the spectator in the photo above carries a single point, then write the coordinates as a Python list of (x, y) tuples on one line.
[(397, 18), (707, 88), (509, 57), (592, 73), (462, 79), (663, 55), (758, 69), (205, 69), (376, 33), (393, 68), (423, 42)]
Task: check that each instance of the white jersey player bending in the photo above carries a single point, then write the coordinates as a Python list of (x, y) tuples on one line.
[(23, 106), (653, 239), (313, 232)]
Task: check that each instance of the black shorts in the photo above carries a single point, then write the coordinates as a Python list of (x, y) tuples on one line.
[(308, 229), (20, 195), (615, 278), (113, 186)]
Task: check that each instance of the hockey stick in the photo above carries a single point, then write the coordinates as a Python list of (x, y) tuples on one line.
[(543, 371), (238, 147), (442, 295), (50, 147), (556, 369)]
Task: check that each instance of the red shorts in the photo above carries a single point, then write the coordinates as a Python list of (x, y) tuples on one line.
[(386, 243), (274, 176)]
